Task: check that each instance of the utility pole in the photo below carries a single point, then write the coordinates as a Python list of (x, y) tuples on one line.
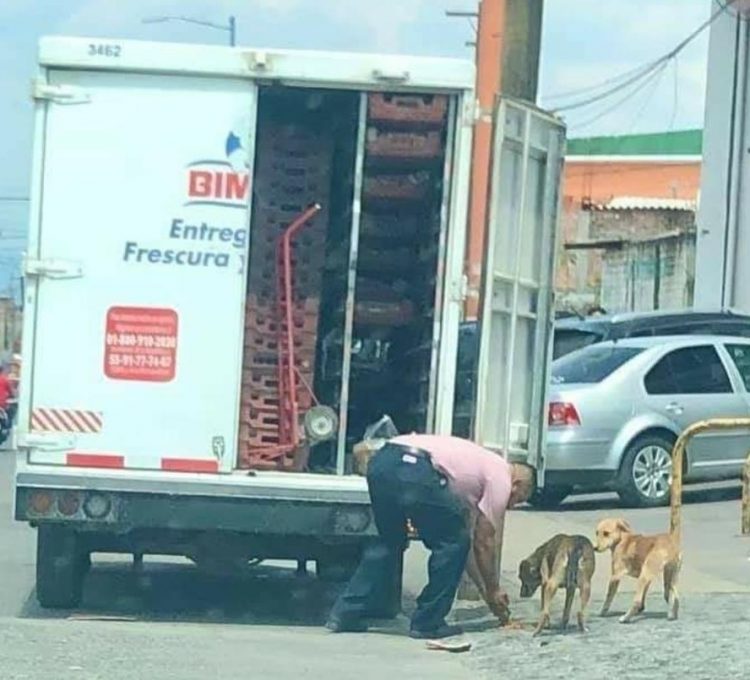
[(507, 57), (489, 58)]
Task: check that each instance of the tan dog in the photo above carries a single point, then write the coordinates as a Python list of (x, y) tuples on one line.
[(641, 557), (566, 561)]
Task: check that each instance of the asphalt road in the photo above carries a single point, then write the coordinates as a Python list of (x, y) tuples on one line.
[(172, 622)]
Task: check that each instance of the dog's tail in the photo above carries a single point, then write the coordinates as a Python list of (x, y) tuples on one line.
[(571, 570)]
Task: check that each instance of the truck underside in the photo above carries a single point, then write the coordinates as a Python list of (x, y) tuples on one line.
[(221, 522)]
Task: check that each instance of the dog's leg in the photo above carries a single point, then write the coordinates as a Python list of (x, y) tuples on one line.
[(585, 589), (569, 595), (644, 580), (614, 584), (642, 606), (548, 592), (671, 571)]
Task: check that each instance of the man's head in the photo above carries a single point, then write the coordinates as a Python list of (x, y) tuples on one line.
[(523, 479)]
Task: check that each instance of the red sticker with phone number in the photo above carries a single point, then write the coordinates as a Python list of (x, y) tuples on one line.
[(141, 344)]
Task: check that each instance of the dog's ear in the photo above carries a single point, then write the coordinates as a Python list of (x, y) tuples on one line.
[(623, 526)]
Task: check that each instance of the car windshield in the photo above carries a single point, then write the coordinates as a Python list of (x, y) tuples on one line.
[(591, 364)]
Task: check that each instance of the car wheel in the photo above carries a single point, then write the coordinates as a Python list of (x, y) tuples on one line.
[(646, 472), (549, 497)]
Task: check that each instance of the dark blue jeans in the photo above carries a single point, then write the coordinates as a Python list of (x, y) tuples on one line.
[(404, 485)]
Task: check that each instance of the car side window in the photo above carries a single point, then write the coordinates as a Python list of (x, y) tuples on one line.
[(690, 370), (741, 357)]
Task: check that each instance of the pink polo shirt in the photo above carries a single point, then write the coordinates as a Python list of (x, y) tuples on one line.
[(478, 476)]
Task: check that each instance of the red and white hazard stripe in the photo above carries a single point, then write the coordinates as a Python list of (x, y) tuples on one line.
[(65, 420), (116, 460)]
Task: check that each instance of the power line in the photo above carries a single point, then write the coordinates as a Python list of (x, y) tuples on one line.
[(613, 90), (645, 70), (675, 95), (15, 199), (638, 70), (646, 100), (653, 78)]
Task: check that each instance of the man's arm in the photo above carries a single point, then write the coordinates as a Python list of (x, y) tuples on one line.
[(484, 554), (471, 562)]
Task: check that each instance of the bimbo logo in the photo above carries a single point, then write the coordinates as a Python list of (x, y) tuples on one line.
[(223, 183)]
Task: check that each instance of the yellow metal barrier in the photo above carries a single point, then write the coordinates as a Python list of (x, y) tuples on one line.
[(678, 455), (746, 497)]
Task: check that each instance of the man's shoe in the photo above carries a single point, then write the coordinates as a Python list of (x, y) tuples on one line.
[(336, 625), (438, 633)]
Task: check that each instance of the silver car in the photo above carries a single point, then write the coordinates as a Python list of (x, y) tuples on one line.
[(616, 409)]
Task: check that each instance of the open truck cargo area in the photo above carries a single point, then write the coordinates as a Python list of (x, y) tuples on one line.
[(238, 259)]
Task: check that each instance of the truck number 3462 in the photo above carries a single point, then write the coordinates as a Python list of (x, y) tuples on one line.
[(104, 50)]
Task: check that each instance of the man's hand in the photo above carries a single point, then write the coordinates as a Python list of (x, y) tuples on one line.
[(499, 605)]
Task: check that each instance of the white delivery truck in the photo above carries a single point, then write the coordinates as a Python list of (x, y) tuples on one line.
[(172, 349)]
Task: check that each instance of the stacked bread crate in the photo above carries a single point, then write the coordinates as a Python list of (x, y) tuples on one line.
[(292, 172), (397, 263)]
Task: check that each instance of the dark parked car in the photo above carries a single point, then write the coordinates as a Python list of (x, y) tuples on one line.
[(572, 333)]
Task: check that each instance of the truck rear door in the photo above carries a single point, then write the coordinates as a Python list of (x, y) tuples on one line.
[(135, 282), (518, 294)]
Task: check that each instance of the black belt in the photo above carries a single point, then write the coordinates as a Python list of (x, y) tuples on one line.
[(413, 450)]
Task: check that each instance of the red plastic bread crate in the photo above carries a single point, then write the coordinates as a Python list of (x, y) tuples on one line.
[(385, 143), (409, 108), (411, 186)]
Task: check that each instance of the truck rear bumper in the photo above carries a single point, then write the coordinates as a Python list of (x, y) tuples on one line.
[(263, 504)]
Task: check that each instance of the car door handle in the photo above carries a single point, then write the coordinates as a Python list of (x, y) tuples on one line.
[(674, 408)]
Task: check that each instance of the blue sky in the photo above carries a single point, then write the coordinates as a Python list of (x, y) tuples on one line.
[(584, 42)]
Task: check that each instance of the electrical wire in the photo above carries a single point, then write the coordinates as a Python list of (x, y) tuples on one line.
[(611, 91), (654, 78), (598, 86), (675, 94), (645, 70), (646, 101)]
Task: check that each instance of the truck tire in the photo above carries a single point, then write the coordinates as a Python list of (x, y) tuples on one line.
[(59, 568)]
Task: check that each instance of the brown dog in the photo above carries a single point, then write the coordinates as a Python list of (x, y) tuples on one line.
[(566, 561), (641, 557)]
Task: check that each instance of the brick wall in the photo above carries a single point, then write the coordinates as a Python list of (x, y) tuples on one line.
[(640, 274)]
